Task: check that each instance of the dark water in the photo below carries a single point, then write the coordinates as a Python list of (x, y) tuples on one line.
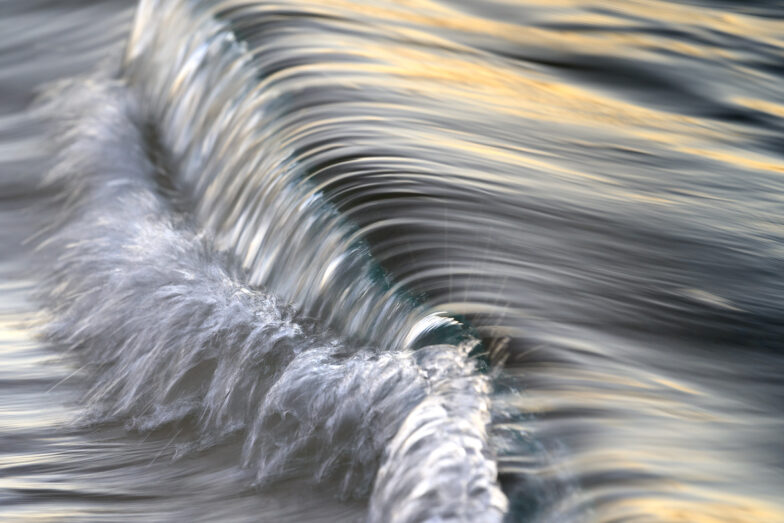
[(391, 261)]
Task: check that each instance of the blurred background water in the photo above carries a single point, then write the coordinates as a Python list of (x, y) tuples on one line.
[(347, 259)]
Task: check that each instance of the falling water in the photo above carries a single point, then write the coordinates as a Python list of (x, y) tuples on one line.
[(392, 260)]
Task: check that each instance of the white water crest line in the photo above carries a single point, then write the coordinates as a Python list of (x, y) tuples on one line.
[(172, 336), (216, 117)]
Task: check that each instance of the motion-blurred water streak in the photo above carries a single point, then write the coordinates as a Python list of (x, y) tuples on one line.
[(424, 259)]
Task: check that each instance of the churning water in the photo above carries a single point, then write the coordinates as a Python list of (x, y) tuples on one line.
[(392, 260)]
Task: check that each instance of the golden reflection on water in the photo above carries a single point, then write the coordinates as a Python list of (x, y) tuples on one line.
[(671, 508), (470, 78), (679, 446)]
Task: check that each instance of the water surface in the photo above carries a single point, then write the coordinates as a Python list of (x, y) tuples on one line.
[(512, 260)]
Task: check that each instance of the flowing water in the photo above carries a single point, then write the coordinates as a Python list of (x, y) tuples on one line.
[(381, 260)]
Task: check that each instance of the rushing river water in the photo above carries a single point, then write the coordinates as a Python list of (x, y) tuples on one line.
[(392, 260)]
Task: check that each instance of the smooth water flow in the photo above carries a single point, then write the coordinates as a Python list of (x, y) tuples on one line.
[(391, 261)]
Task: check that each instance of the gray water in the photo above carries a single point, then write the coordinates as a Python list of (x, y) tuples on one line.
[(391, 261)]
